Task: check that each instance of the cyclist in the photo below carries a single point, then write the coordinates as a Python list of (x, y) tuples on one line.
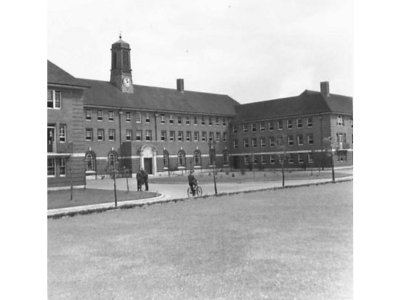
[(192, 182)]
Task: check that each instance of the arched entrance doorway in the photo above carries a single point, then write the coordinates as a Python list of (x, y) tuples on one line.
[(148, 159)]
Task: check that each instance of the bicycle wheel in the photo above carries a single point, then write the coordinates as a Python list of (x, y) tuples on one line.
[(199, 191), (189, 193)]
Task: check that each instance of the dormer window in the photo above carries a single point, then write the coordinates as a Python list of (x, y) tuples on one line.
[(53, 99)]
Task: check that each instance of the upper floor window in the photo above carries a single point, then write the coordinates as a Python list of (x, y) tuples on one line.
[(253, 127), (99, 115), (163, 135), (111, 116), (271, 125), (210, 121), (172, 136), (204, 136), (234, 128), (299, 123), (148, 135), (63, 133), (223, 121), (171, 119), (217, 121), (162, 119), (147, 118), (271, 140), (262, 126), (203, 121), (280, 125), (187, 120), (290, 140), (218, 136), (88, 114), (89, 134), (245, 143), (138, 135), (100, 134), (128, 134), (224, 136), (128, 116), (188, 136), (309, 122), (111, 134), (235, 144), (53, 99), (339, 121), (196, 136), (310, 138), (244, 127), (211, 136), (180, 136), (254, 143), (179, 120), (138, 117), (262, 142), (289, 124), (300, 140), (195, 120)]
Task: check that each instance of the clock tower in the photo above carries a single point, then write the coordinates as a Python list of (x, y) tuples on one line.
[(121, 72)]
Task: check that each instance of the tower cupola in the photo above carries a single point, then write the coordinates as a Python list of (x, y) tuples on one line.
[(121, 72)]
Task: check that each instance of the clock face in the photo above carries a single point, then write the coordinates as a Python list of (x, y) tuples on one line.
[(126, 81)]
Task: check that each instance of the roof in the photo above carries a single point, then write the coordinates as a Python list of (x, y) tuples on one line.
[(56, 75), (104, 93), (308, 102)]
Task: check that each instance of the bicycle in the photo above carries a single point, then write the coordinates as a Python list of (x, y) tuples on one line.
[(198, 191)]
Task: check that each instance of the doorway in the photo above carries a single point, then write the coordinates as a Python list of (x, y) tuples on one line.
[(148, 165)]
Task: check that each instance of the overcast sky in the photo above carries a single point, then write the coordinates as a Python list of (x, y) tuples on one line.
[(250, 50)]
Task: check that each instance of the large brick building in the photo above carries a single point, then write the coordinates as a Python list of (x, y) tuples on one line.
[(97, 126)]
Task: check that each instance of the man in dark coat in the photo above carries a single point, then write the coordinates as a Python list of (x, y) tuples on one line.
[(139, 180), (192, 182), (145, 179)]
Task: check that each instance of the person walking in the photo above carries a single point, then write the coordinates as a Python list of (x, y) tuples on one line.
[(145, 179), (139, 180)]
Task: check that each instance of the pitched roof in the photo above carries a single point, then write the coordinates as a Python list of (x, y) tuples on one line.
[(56, 75), (308, 102), (103, 93)]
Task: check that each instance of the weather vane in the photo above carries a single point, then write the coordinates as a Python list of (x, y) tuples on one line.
[(120, 32)]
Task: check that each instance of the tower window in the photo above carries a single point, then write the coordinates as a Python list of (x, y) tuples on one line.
[(114, 60)]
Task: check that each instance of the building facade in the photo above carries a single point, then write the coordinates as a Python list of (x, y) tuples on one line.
[(104, 126)]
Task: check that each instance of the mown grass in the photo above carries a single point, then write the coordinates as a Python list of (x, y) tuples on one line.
[(62, 198), (282, 244)]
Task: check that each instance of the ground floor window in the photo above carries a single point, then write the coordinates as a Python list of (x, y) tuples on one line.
[(90, 160), (112, 160), (197, 158), (166, 159), (181, 158), (212, 157), (225, 157), (51, 168), (63, 167)]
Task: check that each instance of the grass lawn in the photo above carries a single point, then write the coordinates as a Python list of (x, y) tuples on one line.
[(293, 243), (61, 199), (250, 176)]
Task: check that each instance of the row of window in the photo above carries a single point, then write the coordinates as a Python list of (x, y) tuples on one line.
[(278, 159), (165, 136), (279, 124), (56, 167), (272, 142), (180, 120)]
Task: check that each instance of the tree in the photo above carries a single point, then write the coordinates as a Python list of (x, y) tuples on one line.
[(329, 148), (282, 155)]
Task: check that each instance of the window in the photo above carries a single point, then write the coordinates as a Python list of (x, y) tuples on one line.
[(223, 121), (179, 120), (291, 158), (289, 124), (89, 134), (224, 136), (271, 125), (128, 117), (203, 121), (244, 127), (51, 170), (195, 120), (340, 139), (187, 120), (172, 136), (188, 136), (197, 158), (196, 136), (271, 140), (310, 139), (111, 116), (210, 121), (88, 114), (171, 119), (211, 157), (111, 134), (225, 155), (138, 117), (181, 158), (129, 135), (246, 160), (217, 121), (147, 118), (262, 142), (53, 99), (262, 126), (180, 136), (280, 140), (255, 161), (163, 135), (234, 128), (263, 160), (290, 140), (204, 136), (211, 136), (63, 133), (162, 119), (272, 159), (246, 143), (309, 122), (280, 125), (218, 136), (253, 127), (148, 135), (310, 158), (299, 123), (300, 158), (99, 115), (300, 140), (100, 134), (90, 162), (112, 160), (339, 121), (235, 144), (166, 159), (63, 167), (138, 135), (351, 122), (254, 143)]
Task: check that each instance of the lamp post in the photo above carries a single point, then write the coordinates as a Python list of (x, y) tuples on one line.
[(211, 145)]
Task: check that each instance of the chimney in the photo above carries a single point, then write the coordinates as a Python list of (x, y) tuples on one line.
[(325, 88), (180, 85)]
